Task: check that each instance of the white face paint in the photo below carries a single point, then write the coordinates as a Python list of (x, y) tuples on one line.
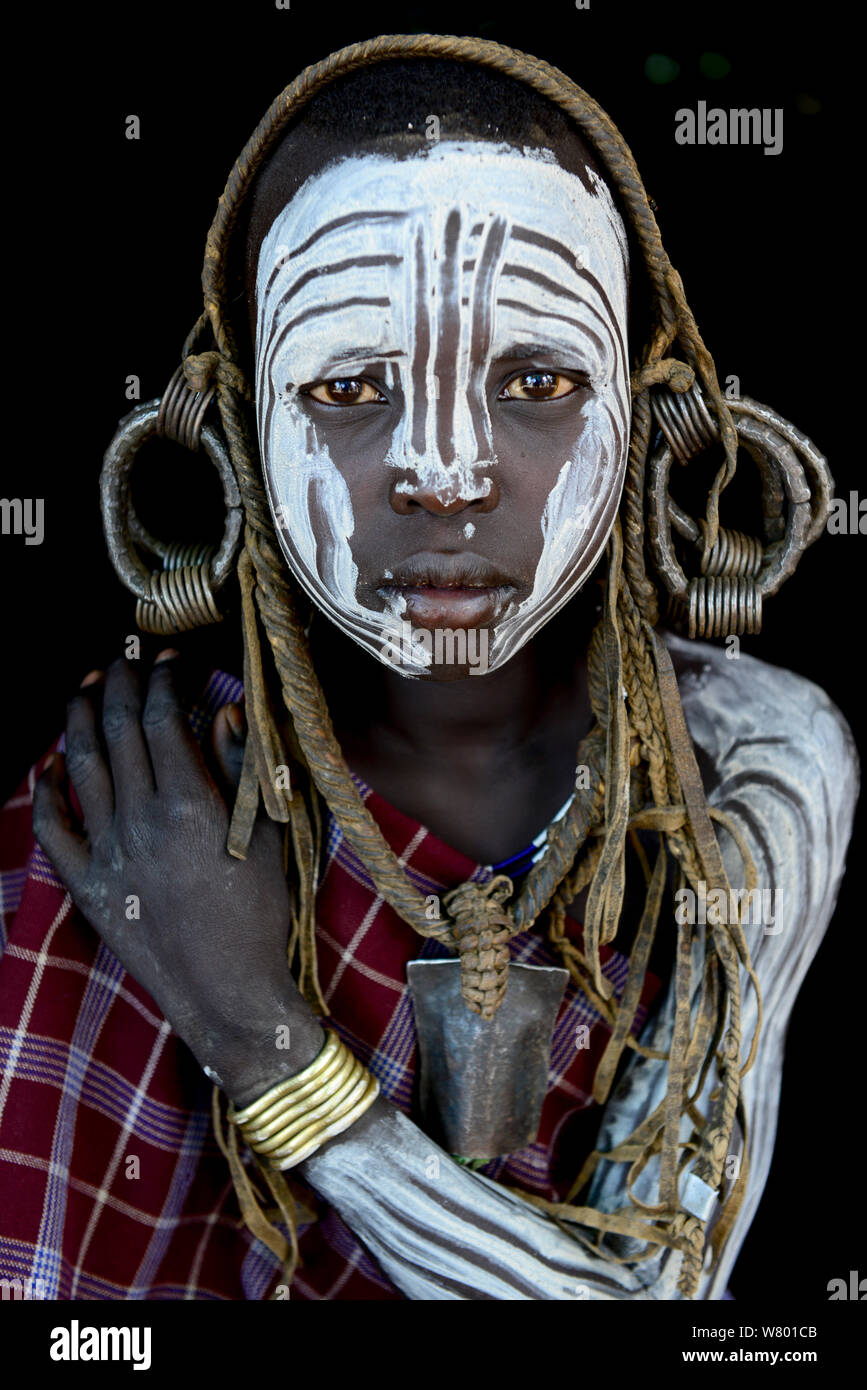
[(372, 260)]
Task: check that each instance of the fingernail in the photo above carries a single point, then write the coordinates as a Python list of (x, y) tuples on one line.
[(91, 678), (235, 720), (167, 654)]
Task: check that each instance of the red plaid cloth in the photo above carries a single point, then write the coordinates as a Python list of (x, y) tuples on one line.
[(112, 1184)]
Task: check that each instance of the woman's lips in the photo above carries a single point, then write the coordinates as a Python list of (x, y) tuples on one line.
[(447, 589), (453, 607)]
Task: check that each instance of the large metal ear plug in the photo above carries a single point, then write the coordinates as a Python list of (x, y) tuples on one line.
[(739, 571), (180, 592)]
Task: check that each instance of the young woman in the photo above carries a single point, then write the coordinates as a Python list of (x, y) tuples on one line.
[(525, 936)]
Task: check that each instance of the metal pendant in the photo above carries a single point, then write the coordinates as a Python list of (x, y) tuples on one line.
[(483, 1081)]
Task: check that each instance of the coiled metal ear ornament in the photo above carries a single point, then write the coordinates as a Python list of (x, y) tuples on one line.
[(181, 593), (739, 571)]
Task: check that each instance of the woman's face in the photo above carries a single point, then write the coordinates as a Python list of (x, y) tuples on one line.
[(442, 395)]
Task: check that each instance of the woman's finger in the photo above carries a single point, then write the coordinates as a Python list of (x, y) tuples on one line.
[(131, 771), (178, 765), (54, 829), (86, 763)]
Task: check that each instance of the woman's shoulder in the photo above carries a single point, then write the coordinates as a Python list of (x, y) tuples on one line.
[(748, 717), (777, 758)]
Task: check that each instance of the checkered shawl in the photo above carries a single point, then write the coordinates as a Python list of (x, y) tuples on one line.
[(111, 1182)]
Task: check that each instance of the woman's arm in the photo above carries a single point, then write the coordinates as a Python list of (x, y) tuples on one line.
[(786, 771)]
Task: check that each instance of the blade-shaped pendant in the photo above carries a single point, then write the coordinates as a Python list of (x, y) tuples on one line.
[(483, 1080)]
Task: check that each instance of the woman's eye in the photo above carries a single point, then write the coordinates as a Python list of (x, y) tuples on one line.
[(344, 391), (538, 386)]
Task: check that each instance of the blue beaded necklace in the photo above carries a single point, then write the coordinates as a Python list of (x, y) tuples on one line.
[(526, 858)]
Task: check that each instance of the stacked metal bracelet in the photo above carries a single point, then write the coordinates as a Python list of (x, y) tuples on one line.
[(292, 1120)]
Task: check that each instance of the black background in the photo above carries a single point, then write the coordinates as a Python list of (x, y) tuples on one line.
[(104, 262)]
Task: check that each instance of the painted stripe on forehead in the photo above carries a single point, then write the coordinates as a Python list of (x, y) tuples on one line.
[(319, 311), (483, 291), (518, 232), (521, 307), (446, 428), (558, 248), (536, 278), (348, 219), (546, 243), (421, 345), (281, 262), (315, 273), (364, 215), (266, 386), (449, 330), (336, 268), (364, 354)]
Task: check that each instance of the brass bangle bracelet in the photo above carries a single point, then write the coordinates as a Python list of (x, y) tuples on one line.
[(292, 1120), (297, 1155), (278, 1115), (298, 1131), (289, 1096), (294, 1116), (257, 1109), (305, 1143)]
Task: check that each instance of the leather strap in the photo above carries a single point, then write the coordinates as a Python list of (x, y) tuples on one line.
[(686, 766)]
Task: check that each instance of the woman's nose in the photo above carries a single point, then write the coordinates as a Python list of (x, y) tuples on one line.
[(439, 498)]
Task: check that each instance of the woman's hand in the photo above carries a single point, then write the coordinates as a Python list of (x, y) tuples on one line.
[(205, 934)]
